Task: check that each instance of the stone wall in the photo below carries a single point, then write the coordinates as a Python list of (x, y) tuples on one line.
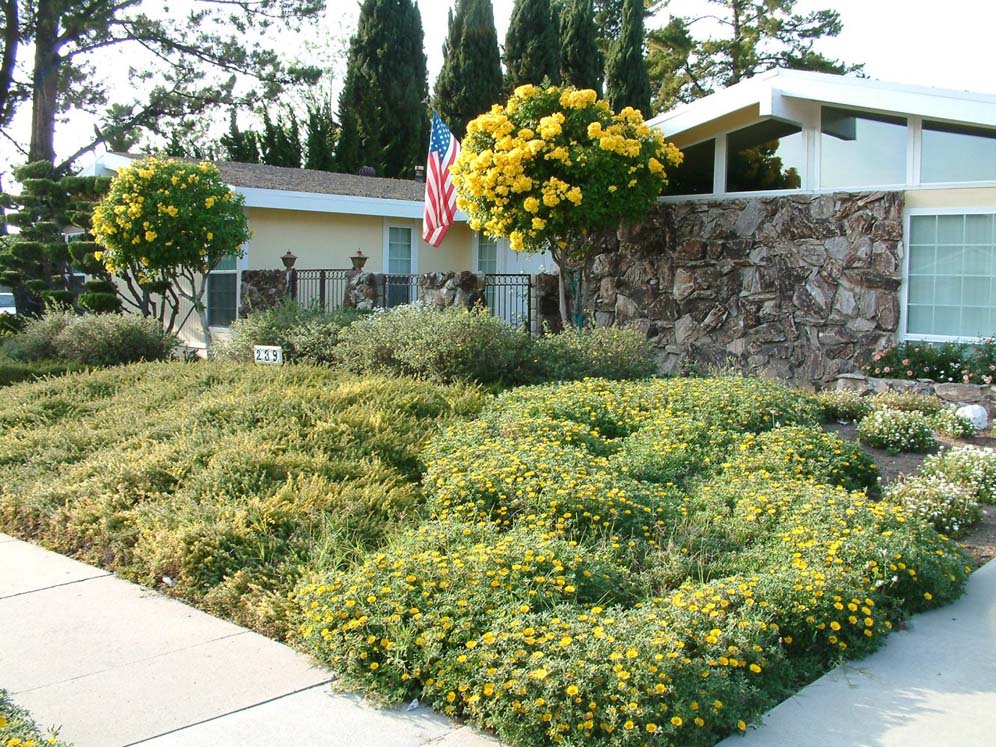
[(953, 393), (803, 287), (365, 290), (262, 289)]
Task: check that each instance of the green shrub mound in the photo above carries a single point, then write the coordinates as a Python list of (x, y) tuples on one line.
[(91, 340), (231, 480), (897, 430), (307, 334), (844, 405), (949, 423), (577, 584), (805, 452), (593, 352), (13, 372), (925, 404), (972, 468)]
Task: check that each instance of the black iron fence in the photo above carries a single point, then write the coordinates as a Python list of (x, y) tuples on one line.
[(508, 296), (324, 289)]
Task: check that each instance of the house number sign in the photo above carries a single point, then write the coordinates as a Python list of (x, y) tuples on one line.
[(268, 355)]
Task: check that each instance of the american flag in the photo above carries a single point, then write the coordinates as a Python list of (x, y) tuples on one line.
[(440, 195)]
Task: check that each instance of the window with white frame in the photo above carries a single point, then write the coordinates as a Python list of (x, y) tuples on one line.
[(768, 155), (400, 264), (957, 153), (858, 149), (694, 176), (223, 292), (951, 276)]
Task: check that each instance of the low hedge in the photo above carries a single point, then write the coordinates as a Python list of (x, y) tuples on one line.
[(12, 372)]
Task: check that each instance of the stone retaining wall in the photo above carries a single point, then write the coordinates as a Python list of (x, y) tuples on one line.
[(262, 289), (955, 394), (803, 287)]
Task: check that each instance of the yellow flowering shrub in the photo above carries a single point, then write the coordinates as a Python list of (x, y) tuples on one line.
[(18, 729), (554, 164), (631, 563), (162, 215)]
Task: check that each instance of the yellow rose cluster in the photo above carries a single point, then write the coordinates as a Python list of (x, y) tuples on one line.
[(161, 214), (631, 563), (552, 164)]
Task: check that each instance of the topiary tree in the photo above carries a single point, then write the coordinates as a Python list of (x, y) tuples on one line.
[(552, 169), (167, 223)]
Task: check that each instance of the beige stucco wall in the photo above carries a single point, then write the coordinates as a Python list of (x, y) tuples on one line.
[(953, 197), (327, 240)]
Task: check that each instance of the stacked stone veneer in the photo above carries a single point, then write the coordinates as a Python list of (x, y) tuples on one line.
[(366, 290), (803, 287), (953, 393), (262, 289)]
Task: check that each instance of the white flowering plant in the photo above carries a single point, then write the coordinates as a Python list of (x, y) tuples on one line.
[(969, 466), (897, 430), (945, 504)]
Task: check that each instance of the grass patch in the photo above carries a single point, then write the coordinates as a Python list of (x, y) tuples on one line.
[(229, 480)]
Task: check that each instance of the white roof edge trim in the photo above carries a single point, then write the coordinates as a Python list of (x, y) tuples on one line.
[(315, 202), (932, 103)]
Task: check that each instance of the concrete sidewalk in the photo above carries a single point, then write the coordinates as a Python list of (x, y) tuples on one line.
[(115, 665), (932, 685)]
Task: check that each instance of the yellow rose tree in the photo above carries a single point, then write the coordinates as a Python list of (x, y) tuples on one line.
[(553, 168), (164, 225)]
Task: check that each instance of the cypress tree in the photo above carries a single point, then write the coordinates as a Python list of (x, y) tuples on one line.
[(626, 81), (470, 80), (241, 146), (580, 58), (321, 132), (382, 108), (280, 143), (532, 45)]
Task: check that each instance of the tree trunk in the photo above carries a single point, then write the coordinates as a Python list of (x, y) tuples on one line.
[(45, 82), (11, 41)]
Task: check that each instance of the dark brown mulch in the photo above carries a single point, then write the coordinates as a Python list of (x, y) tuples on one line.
[(980, 541)]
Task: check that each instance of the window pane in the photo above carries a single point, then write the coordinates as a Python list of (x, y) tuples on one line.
[(859, 149), (767, 155), (399, 250), (227, 263), (695, 174), (487, 255), (953, 153), (221, 298), (952, 276)]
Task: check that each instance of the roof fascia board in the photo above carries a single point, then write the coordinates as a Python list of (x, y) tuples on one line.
[(715, 106), (314, 202)]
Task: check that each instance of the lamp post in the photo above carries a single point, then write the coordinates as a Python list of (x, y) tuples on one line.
[(289, 258), (359, 259)]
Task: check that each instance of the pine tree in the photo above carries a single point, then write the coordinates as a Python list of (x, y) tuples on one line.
[(626, 81), (382, 108), (241, 146), (532, 45), (580, 58), (470, 80), (750, 38)]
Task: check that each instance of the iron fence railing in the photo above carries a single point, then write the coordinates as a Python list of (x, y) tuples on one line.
[(325, 289), (507, 295)]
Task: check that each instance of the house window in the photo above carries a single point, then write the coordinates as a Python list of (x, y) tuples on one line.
[(223, 292), (766, 155), (955, 153), (860, 150), (695, 174), (398, 288), (952, 276)]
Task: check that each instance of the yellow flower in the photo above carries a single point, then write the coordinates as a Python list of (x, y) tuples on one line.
[(572, 690), (531, 205), (150, 235), (676, 720), (742, 726)]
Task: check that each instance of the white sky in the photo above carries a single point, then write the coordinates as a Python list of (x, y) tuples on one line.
[(908, 41)]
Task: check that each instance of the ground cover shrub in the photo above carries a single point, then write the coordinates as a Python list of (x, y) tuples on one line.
[(968, 466), (949, 423), (448, 345), (597, 352), (307, 334), (663, 606), (948, 506), (18, 729), (805, 452), (897, 430), (12, 372), (944, 362), (231, 480), (925, 404), (844, 405)]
